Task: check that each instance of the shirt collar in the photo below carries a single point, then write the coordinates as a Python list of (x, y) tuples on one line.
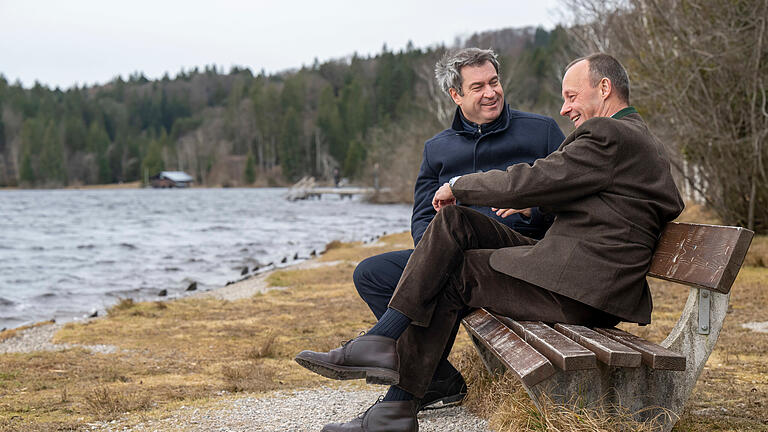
[(624, 112)]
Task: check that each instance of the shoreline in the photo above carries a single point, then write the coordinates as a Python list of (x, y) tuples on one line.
[(138, 185), (245, 286), (38, 336)]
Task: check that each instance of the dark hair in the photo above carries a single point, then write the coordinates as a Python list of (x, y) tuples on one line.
[(448, 69), (605, 66)]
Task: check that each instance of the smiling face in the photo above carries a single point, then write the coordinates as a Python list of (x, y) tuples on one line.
[(581, 101), (483, 98)]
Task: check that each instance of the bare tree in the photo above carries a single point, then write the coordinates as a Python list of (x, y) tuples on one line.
[(699, 71)]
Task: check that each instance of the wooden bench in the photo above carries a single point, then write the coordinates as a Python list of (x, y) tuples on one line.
[(578, 366)]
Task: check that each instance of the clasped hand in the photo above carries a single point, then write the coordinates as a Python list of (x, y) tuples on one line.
[(444, 197)]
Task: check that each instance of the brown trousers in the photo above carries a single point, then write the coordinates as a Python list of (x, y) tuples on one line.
[(448, 275)]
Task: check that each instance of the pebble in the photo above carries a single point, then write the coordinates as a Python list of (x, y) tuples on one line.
[(295, 411)]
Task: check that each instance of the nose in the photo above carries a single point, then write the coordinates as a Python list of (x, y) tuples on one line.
[(565, 109), (488, 91)]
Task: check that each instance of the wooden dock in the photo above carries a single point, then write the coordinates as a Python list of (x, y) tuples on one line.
[(307, 189)]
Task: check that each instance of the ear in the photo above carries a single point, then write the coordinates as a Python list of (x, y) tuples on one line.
[(606, 88), (457, 98)]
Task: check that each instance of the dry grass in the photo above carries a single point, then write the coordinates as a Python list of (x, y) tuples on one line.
[(109, 402), (757, 256), (250, 376), (507, 406), (189, 351)]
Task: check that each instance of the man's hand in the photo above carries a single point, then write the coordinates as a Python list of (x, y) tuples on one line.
[(506, 212), (443, 197)]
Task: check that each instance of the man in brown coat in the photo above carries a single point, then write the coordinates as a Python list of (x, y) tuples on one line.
[(611, 191)]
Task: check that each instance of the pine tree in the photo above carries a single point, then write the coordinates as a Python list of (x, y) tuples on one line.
[(2, 132), (250, 171), (290, 150), (329, 122), (31, 146), (99, 144), (355, 157), (27, 174), (153, 159), (52, 169)]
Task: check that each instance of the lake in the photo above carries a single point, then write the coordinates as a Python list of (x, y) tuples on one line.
[(65, 253)]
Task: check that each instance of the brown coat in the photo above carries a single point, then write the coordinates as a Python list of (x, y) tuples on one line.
[(611, 191)]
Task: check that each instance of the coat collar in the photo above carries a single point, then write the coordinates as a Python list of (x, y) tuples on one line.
[(500, 124)]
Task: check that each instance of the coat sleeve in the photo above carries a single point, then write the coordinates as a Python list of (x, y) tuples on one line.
[(555, 137), (582, 167), (427, 184)]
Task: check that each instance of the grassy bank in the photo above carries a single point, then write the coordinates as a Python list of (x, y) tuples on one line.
[(195, 351)]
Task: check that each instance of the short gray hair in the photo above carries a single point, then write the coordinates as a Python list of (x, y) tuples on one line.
[(603, 65), (448, 69)]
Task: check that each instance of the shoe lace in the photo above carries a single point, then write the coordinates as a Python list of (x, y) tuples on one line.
[(362, 414), (345, 342)]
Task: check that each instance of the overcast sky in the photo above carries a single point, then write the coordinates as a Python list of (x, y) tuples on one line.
[(60, 43)]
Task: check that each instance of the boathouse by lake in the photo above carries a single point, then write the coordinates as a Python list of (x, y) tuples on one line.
[(171, 179)]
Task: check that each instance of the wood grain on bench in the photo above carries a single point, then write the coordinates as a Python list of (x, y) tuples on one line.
[(654, 356), (607, 350), (560, 350), (528, 364), (704, 256)]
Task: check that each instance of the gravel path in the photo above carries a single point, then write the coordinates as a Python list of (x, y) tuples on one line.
[(39, 339), (293, 411)]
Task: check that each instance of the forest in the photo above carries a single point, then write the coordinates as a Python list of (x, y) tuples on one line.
[(239, 128), (698, 72)]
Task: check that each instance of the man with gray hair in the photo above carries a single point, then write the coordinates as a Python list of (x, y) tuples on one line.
[(610, 188), (485, 135)]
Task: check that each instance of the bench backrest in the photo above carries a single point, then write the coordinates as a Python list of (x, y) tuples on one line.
[(703, 256)]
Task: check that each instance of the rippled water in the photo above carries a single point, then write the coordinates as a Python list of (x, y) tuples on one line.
[(64, 253)]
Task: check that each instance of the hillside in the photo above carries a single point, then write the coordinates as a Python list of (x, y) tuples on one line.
[(239, 127)]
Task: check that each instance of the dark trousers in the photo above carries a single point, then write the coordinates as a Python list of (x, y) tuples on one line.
[(449, 274), (376, 279)]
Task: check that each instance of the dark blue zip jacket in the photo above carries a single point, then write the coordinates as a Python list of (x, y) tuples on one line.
[(518, 137)]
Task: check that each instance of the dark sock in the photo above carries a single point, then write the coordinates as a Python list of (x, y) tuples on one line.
[(397, 394), (444, 370), (392, 324)]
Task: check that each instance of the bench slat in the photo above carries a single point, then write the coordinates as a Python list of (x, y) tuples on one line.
[(608, 351), (529, 365), (654, 356), (704, 256), (560, 350)]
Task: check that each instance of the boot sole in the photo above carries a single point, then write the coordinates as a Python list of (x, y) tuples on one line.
[(372, 375), (445, 402)]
